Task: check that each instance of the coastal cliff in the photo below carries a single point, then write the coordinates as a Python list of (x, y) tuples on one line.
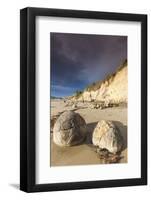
[(113, 89)]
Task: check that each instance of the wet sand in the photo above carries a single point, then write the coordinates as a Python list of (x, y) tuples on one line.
[(85, 153)]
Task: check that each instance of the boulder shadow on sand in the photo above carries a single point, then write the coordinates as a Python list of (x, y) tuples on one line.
[(123, 131), (90, 128)]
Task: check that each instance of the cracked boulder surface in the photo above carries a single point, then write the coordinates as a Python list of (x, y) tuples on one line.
[(69, 129), (107, 136)]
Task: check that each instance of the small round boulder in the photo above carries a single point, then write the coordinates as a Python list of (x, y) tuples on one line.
[(69, 129), (107, 136)]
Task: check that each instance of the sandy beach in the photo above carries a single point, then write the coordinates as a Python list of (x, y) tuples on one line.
[(85, 153)]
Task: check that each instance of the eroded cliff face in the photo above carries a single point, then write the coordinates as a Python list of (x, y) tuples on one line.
[(113, 89)]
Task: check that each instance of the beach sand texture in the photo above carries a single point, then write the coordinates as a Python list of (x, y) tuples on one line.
[(85, 153)]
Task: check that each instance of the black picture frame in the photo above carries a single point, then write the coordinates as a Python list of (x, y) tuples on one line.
[(28, 99)]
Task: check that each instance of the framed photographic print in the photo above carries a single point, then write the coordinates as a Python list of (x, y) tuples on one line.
[(83, 99)]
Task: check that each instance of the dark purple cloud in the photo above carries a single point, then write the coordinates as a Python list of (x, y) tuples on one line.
[(80, 59)]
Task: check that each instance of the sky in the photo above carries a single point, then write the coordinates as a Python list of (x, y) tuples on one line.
[(77, 60)]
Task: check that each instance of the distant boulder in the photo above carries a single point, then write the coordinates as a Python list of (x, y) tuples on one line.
[(96, 106), (74, 105), (69, 129)]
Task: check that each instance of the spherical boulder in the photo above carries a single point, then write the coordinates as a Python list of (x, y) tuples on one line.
[(107, 136), (69, 129)]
